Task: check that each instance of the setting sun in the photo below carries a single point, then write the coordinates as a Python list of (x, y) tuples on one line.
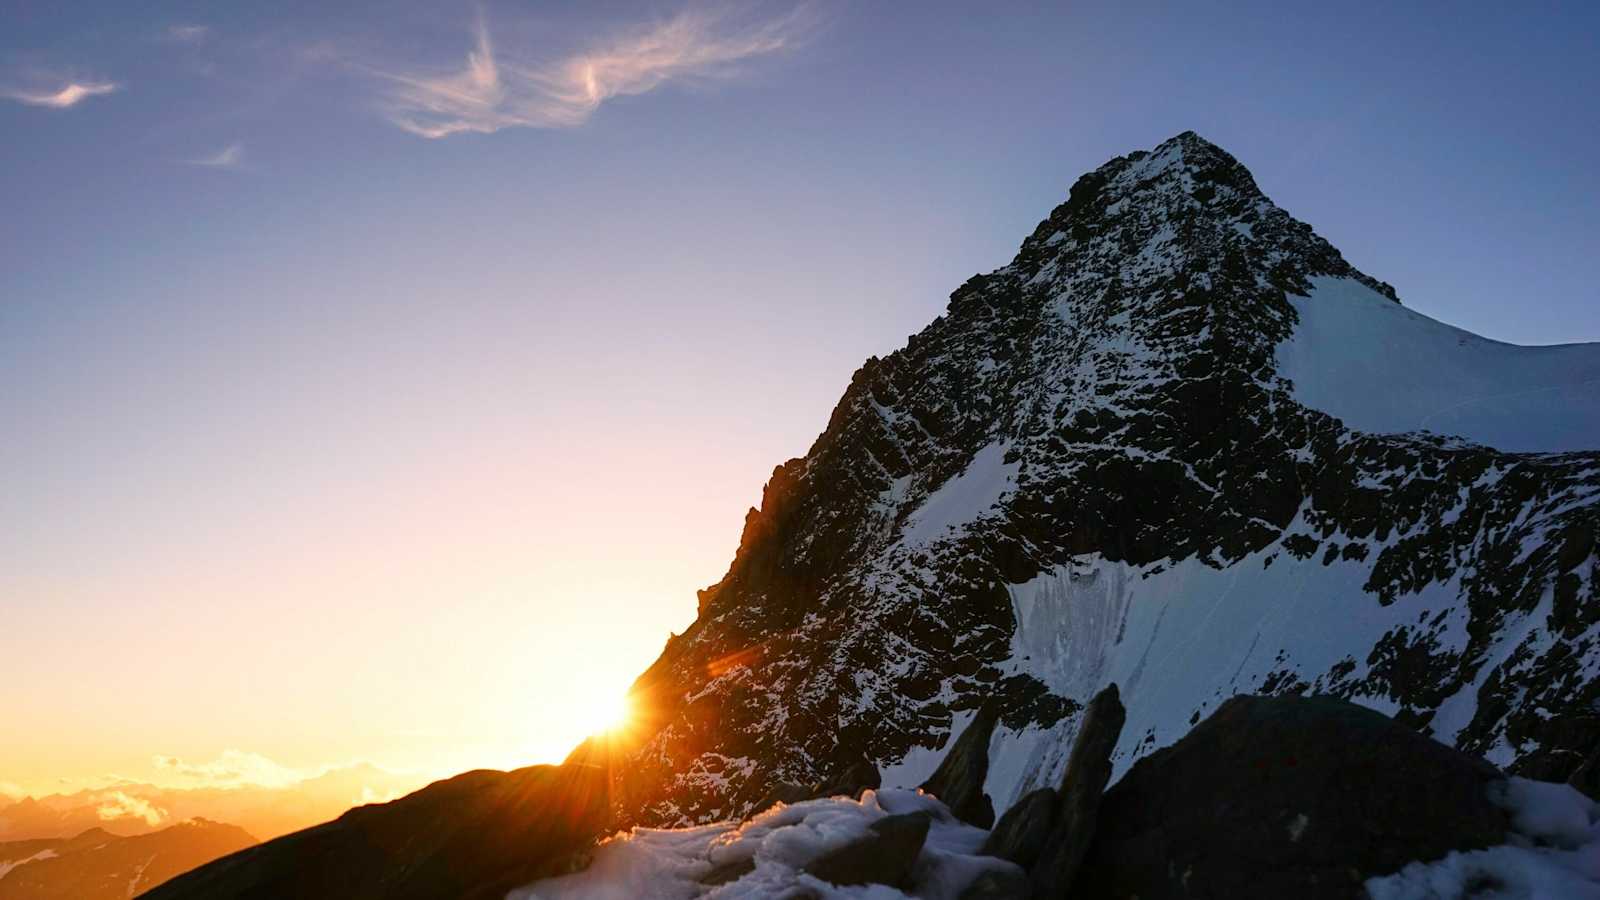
[(609, 715)]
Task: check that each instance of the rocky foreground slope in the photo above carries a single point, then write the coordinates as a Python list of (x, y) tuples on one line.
[(472, 837), (1310, 797), (1107, 462), (1270, 797)]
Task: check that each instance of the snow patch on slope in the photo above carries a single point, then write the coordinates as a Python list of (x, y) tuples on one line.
[(7, 865), (1180, 640), (1381, 367), (979, 488)]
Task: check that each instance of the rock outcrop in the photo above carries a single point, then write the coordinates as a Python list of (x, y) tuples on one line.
[(850, 781), (958, 781), (885, 855), (1078, 802), (1274, 797), (998, 884), (1023, 832)]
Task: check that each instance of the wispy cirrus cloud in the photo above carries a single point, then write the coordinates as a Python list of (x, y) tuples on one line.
[(188, 33), (229, 157), (493, 92), (70, 94)]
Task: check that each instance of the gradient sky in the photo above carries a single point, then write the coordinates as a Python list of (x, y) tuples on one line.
[(380, 383)]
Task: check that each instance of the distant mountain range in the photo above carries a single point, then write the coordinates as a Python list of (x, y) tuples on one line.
[(132, 808), (98, 865)]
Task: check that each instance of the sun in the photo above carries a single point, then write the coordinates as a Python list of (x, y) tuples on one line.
[(609, 715)]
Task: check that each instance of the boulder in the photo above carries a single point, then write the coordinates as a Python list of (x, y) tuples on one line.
[(1274, 797), (958, 781), (729, 871), (1000, 883), (1021, 834), (475, 836), (785, 792), (851, 781), (1078, 806), (886, 854)]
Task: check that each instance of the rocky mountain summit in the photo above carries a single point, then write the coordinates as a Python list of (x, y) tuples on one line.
[(1125, 457)]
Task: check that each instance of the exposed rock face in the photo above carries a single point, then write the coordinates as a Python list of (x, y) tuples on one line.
[(855, 778), (958, 781), (1275, 797), (1078, 805), (1024, 831), (885, 855), (786, 793), (477, 835), (1092, 469), (998, 884), (728, 872)]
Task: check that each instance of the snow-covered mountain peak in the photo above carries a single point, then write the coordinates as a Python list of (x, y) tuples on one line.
[(1120, 457)]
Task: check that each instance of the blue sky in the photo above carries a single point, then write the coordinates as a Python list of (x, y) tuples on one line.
[(369, 358)]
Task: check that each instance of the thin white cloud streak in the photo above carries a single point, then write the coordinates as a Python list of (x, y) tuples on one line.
[(229, 157), (490, 94), (70, 95), (233, 768), (189, 34)]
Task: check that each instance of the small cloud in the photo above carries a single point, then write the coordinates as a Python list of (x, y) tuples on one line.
[(233, 768), (114, 805), (189, 34), (489, 93), (229, 157), (71, 94), (368, 795)]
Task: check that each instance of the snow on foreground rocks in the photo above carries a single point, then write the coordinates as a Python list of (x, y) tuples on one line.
[(667, 864), (1554, 851)]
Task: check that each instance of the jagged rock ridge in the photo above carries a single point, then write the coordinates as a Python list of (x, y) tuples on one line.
[(1093, 469)]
